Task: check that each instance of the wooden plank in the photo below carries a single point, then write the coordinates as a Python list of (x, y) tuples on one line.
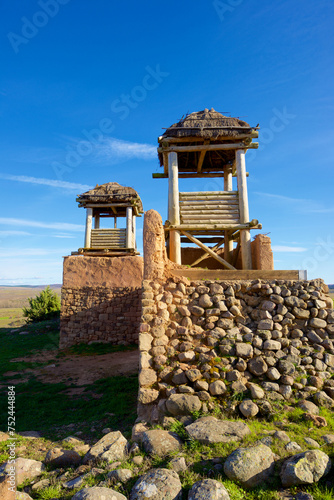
[(191, 211), (225, 275), (209, 216), (185, 194), (210, 147), (207, 249)]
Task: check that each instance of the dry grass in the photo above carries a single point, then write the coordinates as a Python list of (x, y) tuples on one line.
[(17, 296)]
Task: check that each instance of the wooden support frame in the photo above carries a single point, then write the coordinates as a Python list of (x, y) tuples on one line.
[(206, 254), (174, 208), (201, 158), (207, 249)]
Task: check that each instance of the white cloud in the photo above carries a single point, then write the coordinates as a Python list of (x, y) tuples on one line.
[(111, 148), (60, 226), (62, 236), (283, 248), (46, 182), (14, 233)]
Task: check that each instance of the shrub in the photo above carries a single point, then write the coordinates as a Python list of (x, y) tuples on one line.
[(44, 306)]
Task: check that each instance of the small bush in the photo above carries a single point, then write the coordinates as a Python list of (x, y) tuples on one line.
[(44, 306)]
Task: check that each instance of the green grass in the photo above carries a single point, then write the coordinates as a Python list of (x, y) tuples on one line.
[(44, 407), (43, 336)]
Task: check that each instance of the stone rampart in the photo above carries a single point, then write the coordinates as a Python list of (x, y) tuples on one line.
[(263, 341)]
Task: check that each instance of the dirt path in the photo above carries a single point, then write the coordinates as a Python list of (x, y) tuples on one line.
[(78, 370)]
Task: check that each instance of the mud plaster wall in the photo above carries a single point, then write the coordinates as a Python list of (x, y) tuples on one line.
[(101, 300)]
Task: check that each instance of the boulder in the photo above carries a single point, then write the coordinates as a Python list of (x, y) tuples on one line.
[(250, 466), (257, 366), (98, 493), (217, 388), (58, 457), (208, 489), (209, 430), (305, 468), (113, 446), (120, 475), (322, 399), (157, 484), (160, 443), (309, 407), (26, 469), (248, 408), (183, 404)]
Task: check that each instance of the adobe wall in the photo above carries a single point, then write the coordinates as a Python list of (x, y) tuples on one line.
[(101, 300), (262, 255)]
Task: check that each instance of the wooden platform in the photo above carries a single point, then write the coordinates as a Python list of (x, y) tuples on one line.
[(222, 275)]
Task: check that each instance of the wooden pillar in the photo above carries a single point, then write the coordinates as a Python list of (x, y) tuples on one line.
[(115, 222), (245, 239), (89, 220), (97, 221), (173, 208), (228, 242), (129, 227), (134, 232)]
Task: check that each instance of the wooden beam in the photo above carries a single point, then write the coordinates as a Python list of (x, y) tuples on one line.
[(245, 240), (206, 240), (210, 147), (226, 275), (207, 249), (174, 208), (234, 227), (188, 176), (205, 255), (97, 221), (253, 134), (201, 159)]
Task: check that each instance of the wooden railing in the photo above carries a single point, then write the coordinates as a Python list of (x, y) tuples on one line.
[(204, 209), (108, 238)]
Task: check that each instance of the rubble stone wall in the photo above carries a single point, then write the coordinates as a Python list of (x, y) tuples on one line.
[(206, 340)]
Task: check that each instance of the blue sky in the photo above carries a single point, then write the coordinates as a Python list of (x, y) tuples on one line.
[(87, 87)]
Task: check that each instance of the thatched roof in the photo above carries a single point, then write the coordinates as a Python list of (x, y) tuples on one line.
[(202, 127), (111, 192), (208, 125)]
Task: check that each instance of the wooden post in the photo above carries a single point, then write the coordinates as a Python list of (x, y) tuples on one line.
[(97, 221), (173, 208), (89, 220), (115, 222), (129, 227), (228, 242), (134, 232), (245, 239)]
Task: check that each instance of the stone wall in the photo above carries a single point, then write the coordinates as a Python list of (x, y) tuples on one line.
[(203, 342), (101, 300)]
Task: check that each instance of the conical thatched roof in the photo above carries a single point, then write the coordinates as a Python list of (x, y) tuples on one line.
[(111, 192), (209, 125)]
